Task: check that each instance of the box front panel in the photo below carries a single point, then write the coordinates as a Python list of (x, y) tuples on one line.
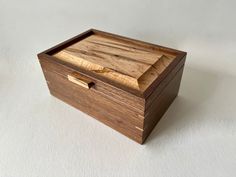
[(119, 117)]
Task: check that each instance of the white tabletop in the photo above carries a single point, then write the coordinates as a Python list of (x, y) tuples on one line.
[(40, 136)]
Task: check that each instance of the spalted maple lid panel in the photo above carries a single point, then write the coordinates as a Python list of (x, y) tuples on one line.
[(119, 60)]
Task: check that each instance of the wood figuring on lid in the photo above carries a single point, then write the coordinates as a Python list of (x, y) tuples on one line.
[(119, 60)]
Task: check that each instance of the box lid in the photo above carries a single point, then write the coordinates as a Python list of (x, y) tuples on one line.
[(128, 64)]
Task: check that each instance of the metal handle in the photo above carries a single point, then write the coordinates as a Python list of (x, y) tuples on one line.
[(79, 80)]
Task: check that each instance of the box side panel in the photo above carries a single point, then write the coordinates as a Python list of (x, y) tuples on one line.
[(92, 102), (161, 103), (149, 101)]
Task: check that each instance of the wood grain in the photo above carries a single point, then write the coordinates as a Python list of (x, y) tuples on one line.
[(125, 63)]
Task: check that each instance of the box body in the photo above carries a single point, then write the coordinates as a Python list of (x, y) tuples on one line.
[(124, 108)]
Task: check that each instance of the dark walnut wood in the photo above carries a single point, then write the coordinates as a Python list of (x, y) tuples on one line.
[(124, 83)]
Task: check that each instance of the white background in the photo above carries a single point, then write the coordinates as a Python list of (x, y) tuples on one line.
[(41, 136)]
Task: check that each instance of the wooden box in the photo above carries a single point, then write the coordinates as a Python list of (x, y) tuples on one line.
[(125, 83)]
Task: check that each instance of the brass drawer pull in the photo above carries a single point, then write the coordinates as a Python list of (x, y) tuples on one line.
[(80, 81)]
